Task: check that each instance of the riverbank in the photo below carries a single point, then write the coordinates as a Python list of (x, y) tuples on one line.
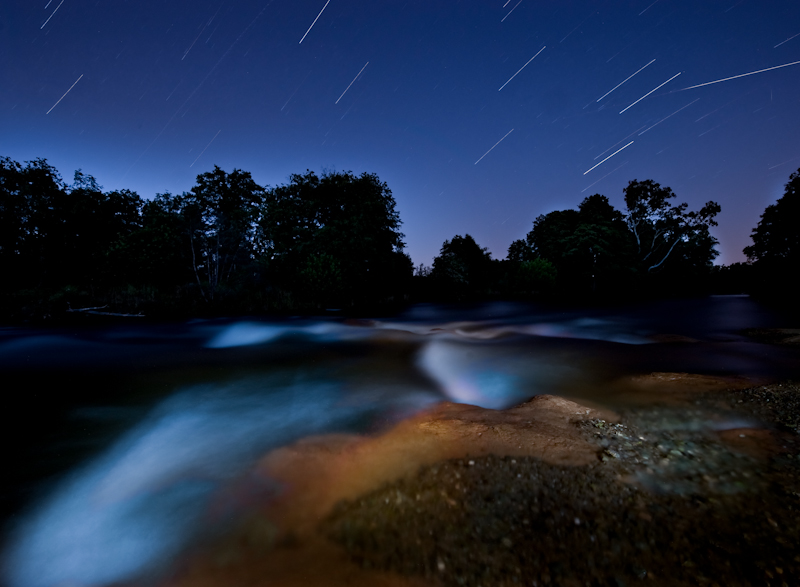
[(671, 501), (700, 489)]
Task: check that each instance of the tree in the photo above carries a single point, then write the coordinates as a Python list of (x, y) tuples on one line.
[(462, 268), (589, 247), (776, 238), (156, 254), (335, 238), (28, 197), (519, 251), (54, 234), (599, 251), (92, 227), (536, 276), (663, 232), (550, 232), (221, 215), (775, 251)]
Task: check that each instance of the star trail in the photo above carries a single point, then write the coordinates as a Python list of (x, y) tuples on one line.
[(146, 95)]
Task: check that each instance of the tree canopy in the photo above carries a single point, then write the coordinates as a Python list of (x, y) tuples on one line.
[(597, 248), (335, 237), (776, 239), (663, 231), (220, 216), (462, 267)]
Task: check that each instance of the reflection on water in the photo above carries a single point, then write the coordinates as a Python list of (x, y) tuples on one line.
[(166, 481)]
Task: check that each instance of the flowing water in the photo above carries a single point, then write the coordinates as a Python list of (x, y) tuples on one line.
[(122, 442)]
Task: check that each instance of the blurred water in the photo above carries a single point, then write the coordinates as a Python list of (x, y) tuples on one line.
[(150, 425)]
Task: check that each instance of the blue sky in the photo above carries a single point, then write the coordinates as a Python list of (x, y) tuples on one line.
[(154, 93)]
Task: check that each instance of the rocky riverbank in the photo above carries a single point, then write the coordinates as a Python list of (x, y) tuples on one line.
[(700, 489), (687, 495)]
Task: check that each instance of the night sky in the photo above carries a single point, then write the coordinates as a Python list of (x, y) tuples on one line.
[(479, 115)]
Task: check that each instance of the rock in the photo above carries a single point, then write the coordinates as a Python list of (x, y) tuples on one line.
[(318, 472)]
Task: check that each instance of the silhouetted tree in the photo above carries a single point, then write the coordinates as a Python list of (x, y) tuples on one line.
[(221, 215), (156, 254), (335, 238), (29, 197), (589, 247), (531, 278), (775, 251), (462, 268), (549, 234), (520, 251), (664, 232), (599, 251)]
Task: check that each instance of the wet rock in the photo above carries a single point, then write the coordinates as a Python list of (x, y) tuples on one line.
[(676, 497), (701, 492)]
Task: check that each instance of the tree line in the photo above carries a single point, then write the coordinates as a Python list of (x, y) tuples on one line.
[(227, 245), (596, 251), (333, 241)]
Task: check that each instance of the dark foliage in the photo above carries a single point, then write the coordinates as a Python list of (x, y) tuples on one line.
[(227, 245), (775, 252), (598, 251), (669, 239), (462, 270), (335, 239)]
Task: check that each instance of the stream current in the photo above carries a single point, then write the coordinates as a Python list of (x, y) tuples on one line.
[(125, 441)]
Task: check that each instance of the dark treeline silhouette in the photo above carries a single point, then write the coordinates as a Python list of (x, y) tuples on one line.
[(774, 257), (596, 252), (228, 245), (333, 241)]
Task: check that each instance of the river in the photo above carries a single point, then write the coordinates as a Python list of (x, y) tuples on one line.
[(118, 439)]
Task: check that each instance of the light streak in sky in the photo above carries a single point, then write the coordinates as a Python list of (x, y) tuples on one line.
[(352, 82), (315, 20), (48, 4), (493, 146), (618, 142), (734, 6), (293, 93), (504, 5), (623, 81), (648, 8), (65, 93), (605, 176), (784, 163), (521, 68), (726, 104), (786, 41), (651, 91), (709, 130), (510, 11), (51, 16), (186, 101), (173, 91), (609, 157), (348, 110), (207, 146), (201, 32), (673, 114), (576, 28), (740, 75)]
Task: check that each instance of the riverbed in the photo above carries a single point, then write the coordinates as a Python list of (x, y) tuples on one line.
[(137, 445)]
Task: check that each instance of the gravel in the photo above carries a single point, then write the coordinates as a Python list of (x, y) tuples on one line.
[(667, 503)]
